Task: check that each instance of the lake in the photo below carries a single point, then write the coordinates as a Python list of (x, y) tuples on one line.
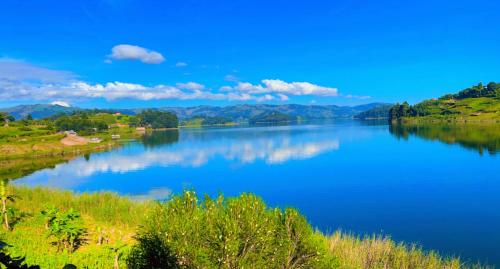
[(437, 186)]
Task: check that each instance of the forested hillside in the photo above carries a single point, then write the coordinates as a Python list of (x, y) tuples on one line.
[(379, 112), (477, 103)]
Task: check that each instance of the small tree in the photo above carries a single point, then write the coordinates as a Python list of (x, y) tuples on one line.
[(67, 228)]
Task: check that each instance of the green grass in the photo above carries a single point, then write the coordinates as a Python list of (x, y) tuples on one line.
[(115, 218), (19, 141), (481, 109), (239, 232)]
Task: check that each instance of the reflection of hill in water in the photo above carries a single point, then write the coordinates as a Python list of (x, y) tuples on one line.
[(159, 138), (264, 131), (475, 137), (17, 168), (20, 167)]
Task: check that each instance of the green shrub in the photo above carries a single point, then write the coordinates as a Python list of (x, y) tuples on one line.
[(66, 227), (227, 233)]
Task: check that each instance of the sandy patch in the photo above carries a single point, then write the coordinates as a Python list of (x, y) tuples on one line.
[(74, 140)]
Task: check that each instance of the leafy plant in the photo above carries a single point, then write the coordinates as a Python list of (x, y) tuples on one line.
[(67, 228)]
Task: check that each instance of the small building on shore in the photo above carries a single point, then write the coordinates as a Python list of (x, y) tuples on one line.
[(70, 132), (95, 140)]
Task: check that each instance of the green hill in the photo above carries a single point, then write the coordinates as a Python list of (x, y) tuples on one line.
[(476, 104), (38, 111), (273, 117), (379, 112)]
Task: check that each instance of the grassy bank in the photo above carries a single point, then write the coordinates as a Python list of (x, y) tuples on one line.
[(192, 233), (45, 137), (19, 141), (477, 104), (107, 217), (469, 110)]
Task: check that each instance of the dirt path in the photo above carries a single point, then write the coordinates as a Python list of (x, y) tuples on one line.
[(74, 140)]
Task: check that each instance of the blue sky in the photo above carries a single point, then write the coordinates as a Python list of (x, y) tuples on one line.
[(131, 53)]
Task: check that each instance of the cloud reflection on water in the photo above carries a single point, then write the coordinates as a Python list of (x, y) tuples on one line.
[(194, 149)]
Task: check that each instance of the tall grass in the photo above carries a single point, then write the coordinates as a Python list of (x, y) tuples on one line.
[(106, 215), (374, 252), (104, 207), (239, 232)]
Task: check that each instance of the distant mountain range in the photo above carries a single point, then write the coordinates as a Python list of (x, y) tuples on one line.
[(245, 112), (235, 113), (38, 111)]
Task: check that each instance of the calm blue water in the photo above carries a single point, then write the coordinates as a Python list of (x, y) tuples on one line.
[(344, 175)]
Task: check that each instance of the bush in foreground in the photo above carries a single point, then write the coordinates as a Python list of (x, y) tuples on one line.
[(227, 233)]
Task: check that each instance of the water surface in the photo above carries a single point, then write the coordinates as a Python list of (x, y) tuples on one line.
[(435, 186)]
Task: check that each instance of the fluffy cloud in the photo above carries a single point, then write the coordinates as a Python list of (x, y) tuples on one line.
[(120, 90), (282, 97), (15, 90), (23, 81), (60, 103), (284, 88), (131, 52), (191, 86)]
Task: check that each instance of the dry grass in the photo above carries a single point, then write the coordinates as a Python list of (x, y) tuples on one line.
[(378, 252)]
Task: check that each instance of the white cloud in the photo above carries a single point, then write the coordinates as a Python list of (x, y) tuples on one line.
[(362, 97), (24, 81), (131, 52), (19, 90), (181, 64), (282, 97), (265, 98), (277, 86), (60, 103), (191, 86), (120, 90)]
